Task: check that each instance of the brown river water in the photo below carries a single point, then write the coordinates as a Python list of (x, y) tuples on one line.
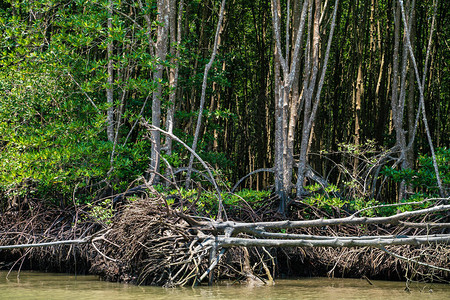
[(35, 285)]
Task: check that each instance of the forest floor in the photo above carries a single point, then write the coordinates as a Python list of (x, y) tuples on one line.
[(148, 243)]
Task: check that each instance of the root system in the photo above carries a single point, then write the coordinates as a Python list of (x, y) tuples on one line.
[(151, 243)]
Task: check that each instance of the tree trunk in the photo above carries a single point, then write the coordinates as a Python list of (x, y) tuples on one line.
[(161, 52), (203, 96), (287, 95), (421, 85), (110, 80), (175, 42)]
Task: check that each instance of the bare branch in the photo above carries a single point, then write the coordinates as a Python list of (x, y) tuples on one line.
[(352, 220), (174, 137), (47, 244), (337, 242), (203, 95), (425, 225)]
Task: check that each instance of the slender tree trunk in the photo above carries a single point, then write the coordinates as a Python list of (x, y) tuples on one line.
[(110, 80), (203, 96), (410, 153), (399, 98), (308, 126), (161, 52), (421, 85), (358, 93), (175, 42), (397, 120), (309, 90)]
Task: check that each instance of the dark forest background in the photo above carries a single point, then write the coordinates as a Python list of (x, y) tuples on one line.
[(80, 79)]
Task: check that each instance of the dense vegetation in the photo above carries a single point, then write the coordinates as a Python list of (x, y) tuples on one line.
[(79, 78)]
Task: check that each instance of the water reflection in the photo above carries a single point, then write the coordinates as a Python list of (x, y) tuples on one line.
[(34, 285)]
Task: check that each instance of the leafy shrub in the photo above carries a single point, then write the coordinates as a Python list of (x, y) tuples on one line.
[(45, 139), (324, 200), (423, 180), (101, 213), (207, 203)]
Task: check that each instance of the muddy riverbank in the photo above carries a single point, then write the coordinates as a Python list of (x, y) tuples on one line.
[(147, 243)]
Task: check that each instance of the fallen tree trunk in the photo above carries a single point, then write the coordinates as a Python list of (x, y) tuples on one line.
[(352, 220), (334, 241)]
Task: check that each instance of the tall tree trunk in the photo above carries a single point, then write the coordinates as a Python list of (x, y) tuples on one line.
[(421, 86), (287, 98), (308, 88), (175, 43), (203, 96), (110, 79), (286, 73), (307, 126), (399, 93), (161, 53)]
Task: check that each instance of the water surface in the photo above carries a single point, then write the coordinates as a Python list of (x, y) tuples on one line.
[(35, 285)]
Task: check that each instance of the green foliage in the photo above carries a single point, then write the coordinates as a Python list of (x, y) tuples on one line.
[(44, 137), (53, 106), (207, 203), (102, 212), (326, 201), (54, 72), (331, 204), (423, 180)]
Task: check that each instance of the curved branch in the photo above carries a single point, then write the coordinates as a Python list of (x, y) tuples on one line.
[(250, 174), (174, 137), (179, 170)]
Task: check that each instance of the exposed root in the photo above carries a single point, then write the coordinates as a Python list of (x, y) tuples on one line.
[(158, 247), (151, 243)]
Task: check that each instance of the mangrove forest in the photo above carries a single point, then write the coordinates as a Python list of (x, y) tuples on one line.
[(185, 142)]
